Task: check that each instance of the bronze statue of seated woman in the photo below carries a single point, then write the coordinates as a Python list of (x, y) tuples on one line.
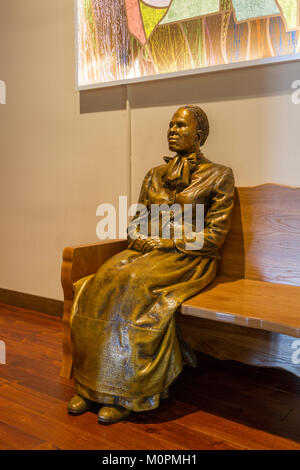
[(126, 349)]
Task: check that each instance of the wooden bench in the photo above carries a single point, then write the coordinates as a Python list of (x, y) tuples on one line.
[(251, 312)]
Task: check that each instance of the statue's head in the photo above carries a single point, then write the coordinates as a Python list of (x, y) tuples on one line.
[(188, 130)]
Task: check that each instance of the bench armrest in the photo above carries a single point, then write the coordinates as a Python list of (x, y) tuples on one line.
[(78, 262)]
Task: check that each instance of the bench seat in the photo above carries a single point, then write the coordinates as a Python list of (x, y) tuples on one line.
[(245, 302)]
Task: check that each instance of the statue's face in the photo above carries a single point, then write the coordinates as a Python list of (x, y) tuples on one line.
[(182, 133)]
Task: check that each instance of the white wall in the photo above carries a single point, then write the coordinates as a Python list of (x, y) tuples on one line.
[(62, 153), (56, 165)]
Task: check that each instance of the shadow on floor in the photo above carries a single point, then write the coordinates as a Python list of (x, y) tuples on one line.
[(263, 399)]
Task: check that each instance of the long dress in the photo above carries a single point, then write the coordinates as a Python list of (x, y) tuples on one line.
[(125, 347)]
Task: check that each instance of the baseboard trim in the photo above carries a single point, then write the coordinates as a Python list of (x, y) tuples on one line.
[(32, 302)]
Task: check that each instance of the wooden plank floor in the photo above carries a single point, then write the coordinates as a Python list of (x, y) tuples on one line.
[(222, 405)]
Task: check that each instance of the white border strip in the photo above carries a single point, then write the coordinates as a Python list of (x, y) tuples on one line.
[(183, 73), (76, 19)]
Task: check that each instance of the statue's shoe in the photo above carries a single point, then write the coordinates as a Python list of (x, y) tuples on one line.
[(78, 405), (112, 414)]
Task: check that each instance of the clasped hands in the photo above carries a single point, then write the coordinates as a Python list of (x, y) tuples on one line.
[(145, 245)]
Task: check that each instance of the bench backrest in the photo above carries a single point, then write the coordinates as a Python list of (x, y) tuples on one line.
[(264, 239)]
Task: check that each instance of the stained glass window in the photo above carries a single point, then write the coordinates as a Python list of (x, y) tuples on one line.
[(132, 39)]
